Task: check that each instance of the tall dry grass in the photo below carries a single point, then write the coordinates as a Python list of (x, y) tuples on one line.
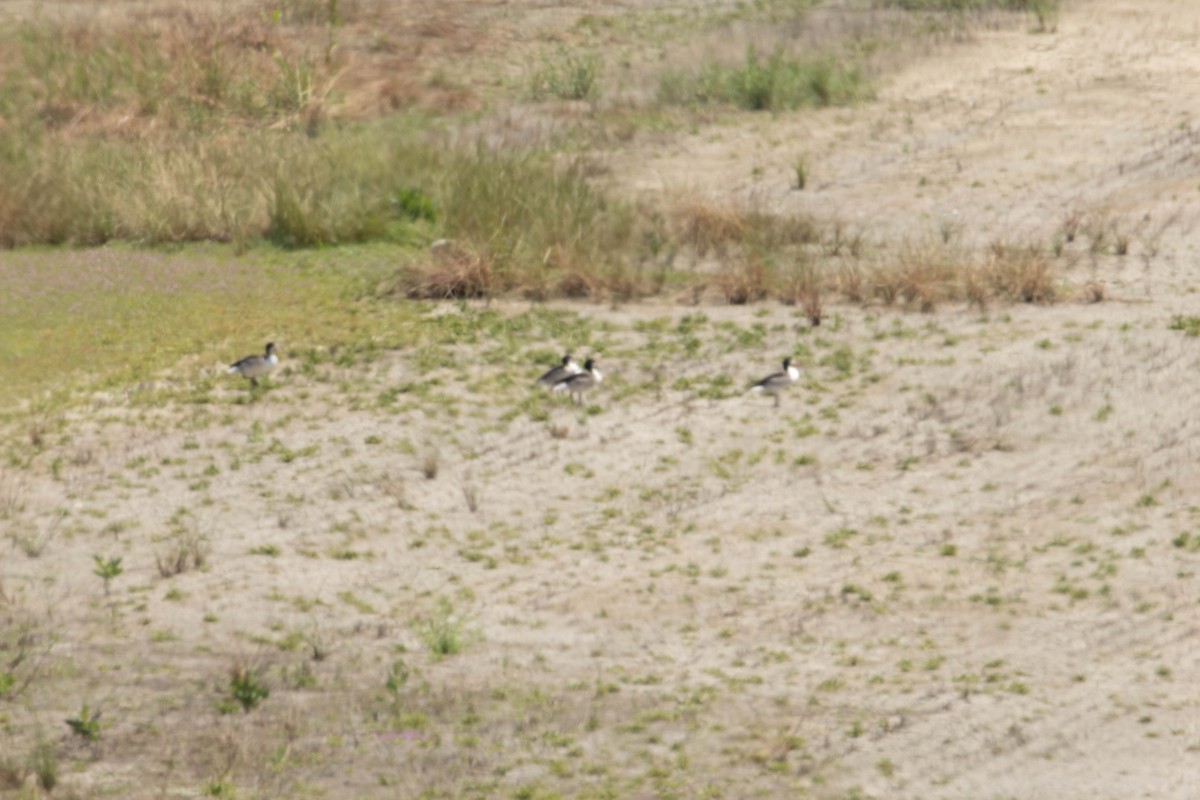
[(187, 187), (920, 275), (175, 124), (168, 124), (520, 220)]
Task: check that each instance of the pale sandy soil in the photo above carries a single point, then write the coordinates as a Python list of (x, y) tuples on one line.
[(959, 561), (999, 138)]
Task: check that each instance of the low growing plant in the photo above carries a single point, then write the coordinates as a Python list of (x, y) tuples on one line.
[(443, 631), (106, 569), (397, 679), (86, 725), (246, 691), (778, 82), (800, 169), (566, 76), (43, 762)]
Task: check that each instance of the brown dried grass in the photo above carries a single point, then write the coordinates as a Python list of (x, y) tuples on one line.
[(709, 227), (806, 288), (453, 271), (922, 276), (926, 274), (742, 280), (1024, 274)]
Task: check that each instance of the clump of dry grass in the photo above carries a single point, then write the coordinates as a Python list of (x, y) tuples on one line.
[(431, 463), (804, 285), (471, 491), (976, 290), (452, 271), (1093, 292), (708, 227), (850, 279), (921, 276), (750, 245), (1072, 220), (517, 223), (395, 488), (743, 280), (13, 491), (925, 274), (186, 550), (839, 240), (1021, 274)]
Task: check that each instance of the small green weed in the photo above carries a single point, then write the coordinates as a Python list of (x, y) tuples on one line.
[(800, 171), (1189, 324), (840, 538), (414, 204), (43, 762), (444, 632), (246, 691), (219, 787), (397, 679), (86, 725), (107, 569)]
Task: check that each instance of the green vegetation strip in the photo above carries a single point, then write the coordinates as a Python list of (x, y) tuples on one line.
[(115, 315)]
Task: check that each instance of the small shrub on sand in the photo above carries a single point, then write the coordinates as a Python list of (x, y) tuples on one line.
[(778, 82), (85, 725), (566, 76), (245, 691), (445, 632)]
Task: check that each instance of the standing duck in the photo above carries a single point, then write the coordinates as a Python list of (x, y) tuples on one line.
[(580, 382), (255, 367), (567, 368), (778, 382)]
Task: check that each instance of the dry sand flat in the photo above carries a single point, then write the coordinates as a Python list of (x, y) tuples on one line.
[(999, 138), (958, 562), (914, 578)]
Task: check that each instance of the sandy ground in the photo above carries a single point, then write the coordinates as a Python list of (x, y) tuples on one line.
[(959, 561), (1002, 138)]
